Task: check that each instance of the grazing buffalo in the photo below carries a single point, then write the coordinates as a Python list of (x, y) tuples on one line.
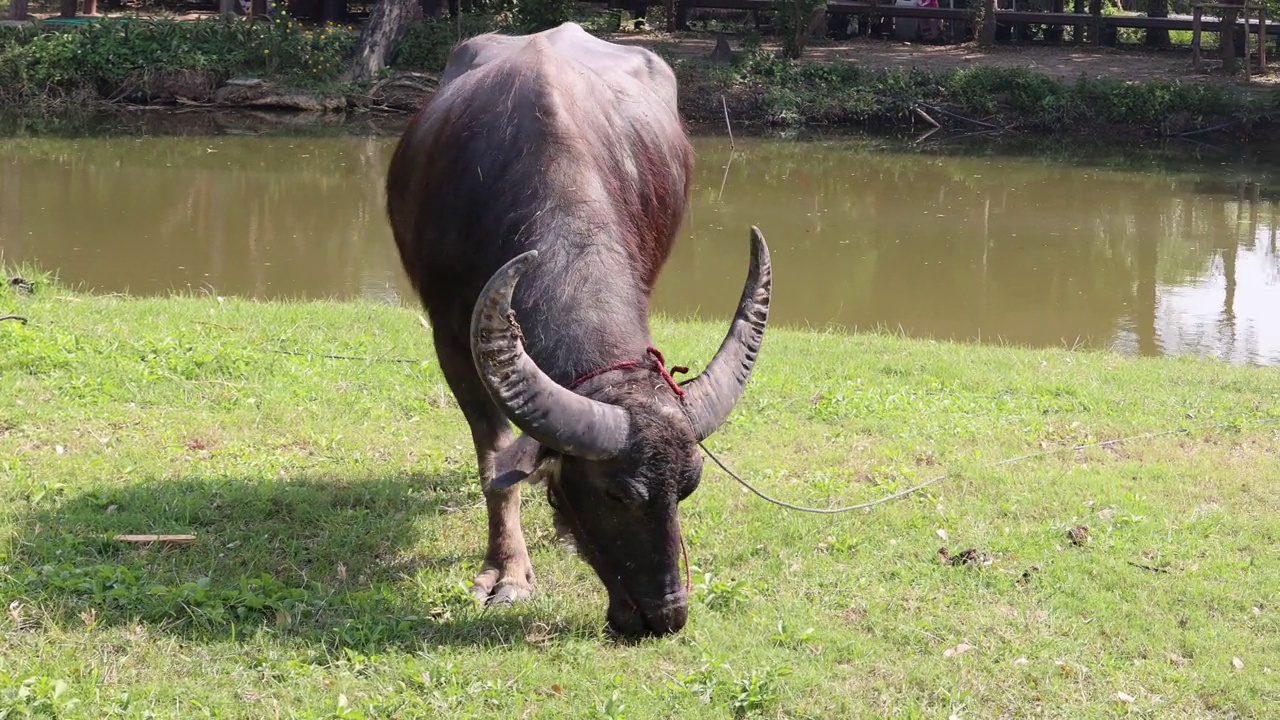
[(545, 182)]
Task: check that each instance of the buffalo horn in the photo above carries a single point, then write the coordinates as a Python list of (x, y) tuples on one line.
[(553, 415), (712, 395)]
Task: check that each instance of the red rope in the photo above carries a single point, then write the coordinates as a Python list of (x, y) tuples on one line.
[(659, 366)]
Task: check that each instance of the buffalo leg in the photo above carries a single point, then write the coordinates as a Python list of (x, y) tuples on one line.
[(507, 574)]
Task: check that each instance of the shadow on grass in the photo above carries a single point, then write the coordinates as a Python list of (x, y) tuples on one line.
[(325, 562)]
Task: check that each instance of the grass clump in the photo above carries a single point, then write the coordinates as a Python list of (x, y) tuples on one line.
[(337, 520)]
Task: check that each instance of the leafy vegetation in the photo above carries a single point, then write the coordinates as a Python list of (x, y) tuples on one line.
[(149, 60), (427, 44), (798, 93), (129, 58), (336, 518)]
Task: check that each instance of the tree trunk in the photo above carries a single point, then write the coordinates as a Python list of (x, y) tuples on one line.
[(387, 25), (1158, 37), (987, 38), (18, 10), (1227, 41), (227, 8)]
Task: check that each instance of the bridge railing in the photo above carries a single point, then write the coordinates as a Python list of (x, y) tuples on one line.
[(1094, 20)]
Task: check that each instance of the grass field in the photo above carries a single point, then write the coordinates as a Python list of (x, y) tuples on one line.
[(337, 522)]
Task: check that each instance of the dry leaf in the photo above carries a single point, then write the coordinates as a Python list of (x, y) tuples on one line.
[(1020, 661), (342, 572), (1124, 697), (1237, 663), (960, 649), (940, 532), (1177, 659)]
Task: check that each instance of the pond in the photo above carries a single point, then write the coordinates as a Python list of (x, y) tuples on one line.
[(1129, 252)]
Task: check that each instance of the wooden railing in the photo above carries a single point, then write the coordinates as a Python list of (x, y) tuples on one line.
[(1011, 17)]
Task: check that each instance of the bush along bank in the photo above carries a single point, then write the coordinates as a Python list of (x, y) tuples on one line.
[(151, 61), (285, 64), (764, 89)]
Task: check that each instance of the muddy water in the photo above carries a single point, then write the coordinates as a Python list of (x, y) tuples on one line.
[(979, 247)]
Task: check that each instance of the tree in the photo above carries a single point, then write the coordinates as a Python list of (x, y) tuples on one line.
[(800, 19), (987, 23), (1158, 37), (1228, 38), (386, 27)]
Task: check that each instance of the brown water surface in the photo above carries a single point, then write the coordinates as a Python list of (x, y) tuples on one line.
[(969, 247)]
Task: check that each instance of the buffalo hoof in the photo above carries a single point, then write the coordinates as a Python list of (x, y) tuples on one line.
[(495, 586)]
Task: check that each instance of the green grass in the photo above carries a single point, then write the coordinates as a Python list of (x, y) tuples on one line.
[(337, 521)]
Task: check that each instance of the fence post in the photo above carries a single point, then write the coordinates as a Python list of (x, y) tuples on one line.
[(1262, 39), (1248, 64)]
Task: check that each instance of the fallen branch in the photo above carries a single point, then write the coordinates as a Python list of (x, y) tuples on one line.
[(958, 116), (148, 539), (407, 79), (19, 318), (1147, 567), (926, 117), (400, 83), (1220, 126)]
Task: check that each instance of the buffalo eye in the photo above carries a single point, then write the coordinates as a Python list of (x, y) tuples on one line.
[(625, 492)]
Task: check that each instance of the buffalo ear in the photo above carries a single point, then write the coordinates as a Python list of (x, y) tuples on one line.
[(522, 460)]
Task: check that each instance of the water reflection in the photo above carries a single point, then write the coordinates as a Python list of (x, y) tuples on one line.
[(1000, 249)]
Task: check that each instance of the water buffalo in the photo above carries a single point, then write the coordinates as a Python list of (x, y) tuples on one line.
[(546, 181)]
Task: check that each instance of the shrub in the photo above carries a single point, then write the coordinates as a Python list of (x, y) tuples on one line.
[(116, 56), (537, 15), (427, 44)]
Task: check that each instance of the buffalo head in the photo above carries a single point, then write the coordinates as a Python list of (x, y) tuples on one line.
[(620, 452)]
